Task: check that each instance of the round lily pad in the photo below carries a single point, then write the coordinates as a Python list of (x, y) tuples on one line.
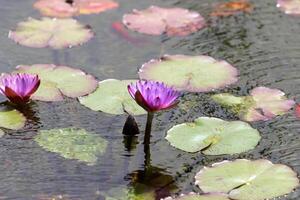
[(190, 73), (73, 143), (57, 81), (290, 7), (262, 104), (214, 136), (62, 8), (11, 118), (231, 8), (248, 180), (48, 32), (193, 196), (112, 97), (156, 20)]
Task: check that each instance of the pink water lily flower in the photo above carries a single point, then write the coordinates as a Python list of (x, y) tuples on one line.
[(18, 88), (153, 96)]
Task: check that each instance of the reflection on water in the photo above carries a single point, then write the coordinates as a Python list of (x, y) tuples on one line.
[(263, 45)]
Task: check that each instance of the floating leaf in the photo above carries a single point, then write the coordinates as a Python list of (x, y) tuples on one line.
[(193, 196), (57, 81), (155, 21), (297, 110), (11, 118), (139, 192), (262, 104), (112, 97), (54, 33), (231, 8), (248, 180), (191, 73), (290, 7), (73, 143), (62, 8), (214, 136)]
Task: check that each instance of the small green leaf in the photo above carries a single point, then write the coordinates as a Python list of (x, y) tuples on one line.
[(248, 180), (11, 118), (112, 97), (73, 143), (214, 135)]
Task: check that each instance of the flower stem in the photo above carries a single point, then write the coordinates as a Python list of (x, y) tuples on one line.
[(147, 139)]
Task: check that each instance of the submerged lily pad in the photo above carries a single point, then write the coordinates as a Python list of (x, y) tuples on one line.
[(62, 8), (57, 81), (262, 104), (193, 196), (214, 135), (190, 73), (290, 7), (11, 118), (248, 180), (139, 192), (112, 97), (48, 32), (156, 20), (73, 143)]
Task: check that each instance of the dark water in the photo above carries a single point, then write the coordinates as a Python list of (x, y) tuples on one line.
[(264, 46)]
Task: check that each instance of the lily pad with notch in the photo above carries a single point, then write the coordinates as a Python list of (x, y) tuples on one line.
[(73, 143), (112, 97), (213, 136), (53, 33), (190, 73), (59, 81), (11, 118), (248, 180)]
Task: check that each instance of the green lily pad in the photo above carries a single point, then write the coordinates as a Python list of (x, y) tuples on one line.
[(112, 97), (214, 136), (139, 192), (57, 81), (48, 32), (11, 118), (72, 143), (190, 73), (248, 180), (262, 104), (193, 196)]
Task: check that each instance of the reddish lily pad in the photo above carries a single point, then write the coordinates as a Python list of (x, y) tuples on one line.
[(193, 196), (232, 8), (190, 73), (290, 7), (262, 104), (57, 81), (54, 33), (61, 8), (156, 21), (248, 180), (297, 110)]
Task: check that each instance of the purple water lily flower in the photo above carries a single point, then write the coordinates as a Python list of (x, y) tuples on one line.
[(18, 88), (153, 96)]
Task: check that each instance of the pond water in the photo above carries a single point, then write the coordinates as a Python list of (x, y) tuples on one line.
[(264, 46)]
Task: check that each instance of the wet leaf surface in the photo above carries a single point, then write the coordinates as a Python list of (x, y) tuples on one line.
[(62, 9), (53, 33), (156, 21), (213, 136), (190, 73), (11, 118), (248, 180), (290, 7), (112, 97), (262, 104), (59, 81)]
